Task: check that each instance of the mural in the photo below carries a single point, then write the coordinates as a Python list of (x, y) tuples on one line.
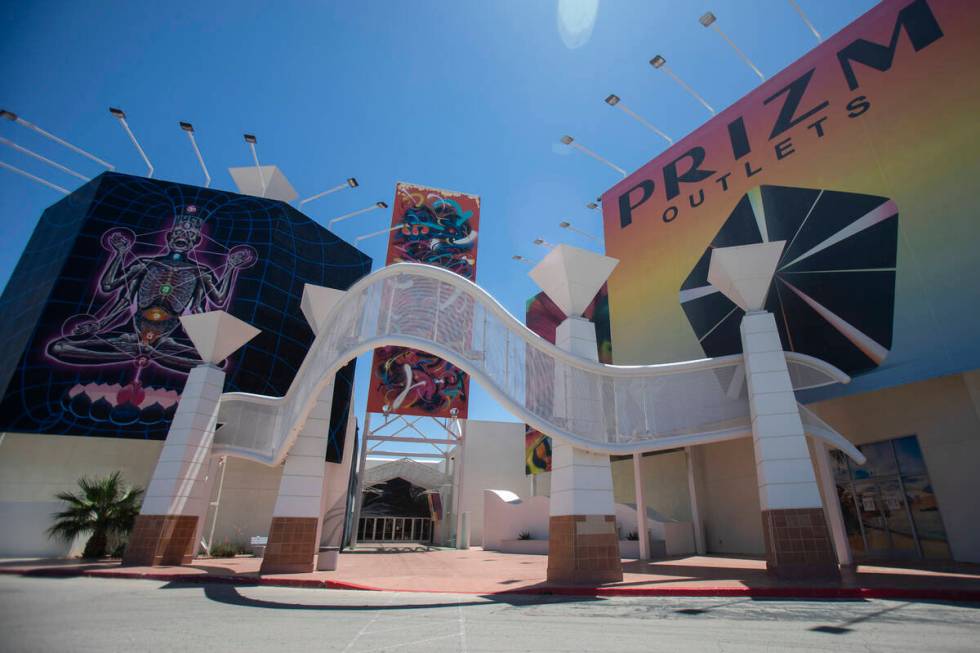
[(542, 316), (834, 289), (438, 228), (878, 119), (94, 304)]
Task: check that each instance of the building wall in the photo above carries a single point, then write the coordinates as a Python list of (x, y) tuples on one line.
[(493, 459), (33, 468), (664, 484), (728, 496), (248, 496), (945, 415)]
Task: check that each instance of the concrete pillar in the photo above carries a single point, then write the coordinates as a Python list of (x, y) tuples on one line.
[(692, 488), (797, 539), (294, 533), (641, 507), (176, 498), (831, 504), (583, 545)]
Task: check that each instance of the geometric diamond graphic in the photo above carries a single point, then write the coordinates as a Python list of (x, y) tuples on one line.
[(833, 293)]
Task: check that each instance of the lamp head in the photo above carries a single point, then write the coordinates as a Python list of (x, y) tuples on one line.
[(352, 182), (567, 140), (250, 138), (118, 113), (381, 205), (707, 19), (187, 127), (612, 100), (658, 61), (9, 115), (592, 205), (564, 224)]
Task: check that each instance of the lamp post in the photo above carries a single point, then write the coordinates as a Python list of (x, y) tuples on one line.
[(24, 173), (617, 102), (13, 117), (120, 115), (251, 140), (189, 129), (568, 140), (347, 216), (806, 20), (568, 225), (660, 63), (709, 20), (350, 183), (380, 232), (42, 159)]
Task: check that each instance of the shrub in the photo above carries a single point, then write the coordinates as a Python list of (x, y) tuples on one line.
[(633, 536), (105, 507), (225, 550), (524, 535)]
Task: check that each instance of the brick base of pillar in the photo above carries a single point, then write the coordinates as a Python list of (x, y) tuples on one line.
[(161, 540), (291, 547), (583, 549), (798, 544)]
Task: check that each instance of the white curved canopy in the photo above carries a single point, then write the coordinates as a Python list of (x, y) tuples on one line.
[(632, 408)]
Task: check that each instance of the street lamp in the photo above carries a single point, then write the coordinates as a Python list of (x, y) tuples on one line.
[(541, 242), (42, 159), (592, 206), (709, 20), (13, 117), (568, 225), (189, 128), (251, 140), (660, 63), (347, 216), (380, 232), (568, 140), (350, 183), (24, 173), (806, 20), (120, 115), (522, 259), (616, 101)]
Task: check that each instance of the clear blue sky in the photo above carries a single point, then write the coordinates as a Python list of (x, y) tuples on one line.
[(459, 94)]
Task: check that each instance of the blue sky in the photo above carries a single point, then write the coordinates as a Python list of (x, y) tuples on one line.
[(466, 95)]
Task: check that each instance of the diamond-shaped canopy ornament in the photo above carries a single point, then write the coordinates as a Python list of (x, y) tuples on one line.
[(317, 303), (743, 273), (833, 289), (571, 277), (216, 334), (277, 187)]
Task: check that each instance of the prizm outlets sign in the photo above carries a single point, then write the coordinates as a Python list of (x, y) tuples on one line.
[(688, 173)]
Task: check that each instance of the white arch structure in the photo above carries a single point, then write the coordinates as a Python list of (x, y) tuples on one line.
[(634, 408)]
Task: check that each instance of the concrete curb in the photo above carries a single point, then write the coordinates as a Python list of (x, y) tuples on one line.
[(822, 593)]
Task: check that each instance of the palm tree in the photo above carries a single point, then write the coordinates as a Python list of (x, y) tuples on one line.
[(104, 507)]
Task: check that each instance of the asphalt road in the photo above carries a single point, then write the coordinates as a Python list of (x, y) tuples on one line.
[(91, 614)]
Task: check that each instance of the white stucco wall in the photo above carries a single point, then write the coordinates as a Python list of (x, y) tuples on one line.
[(34, 467)]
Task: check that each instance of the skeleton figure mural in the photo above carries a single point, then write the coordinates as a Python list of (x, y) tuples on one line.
[(142, 298)]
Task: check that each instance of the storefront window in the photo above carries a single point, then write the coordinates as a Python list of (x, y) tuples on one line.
[(888, 504)]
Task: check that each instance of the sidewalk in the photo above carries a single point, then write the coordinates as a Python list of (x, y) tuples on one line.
[(487, 572)]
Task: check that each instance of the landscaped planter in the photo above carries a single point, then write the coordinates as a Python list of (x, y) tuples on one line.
[(537, 547)]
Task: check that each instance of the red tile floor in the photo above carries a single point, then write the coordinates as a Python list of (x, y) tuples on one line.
[(487, 572)]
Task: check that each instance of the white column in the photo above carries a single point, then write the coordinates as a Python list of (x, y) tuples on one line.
[(301, 485), (641, 507), (581, 481), (176, 487), (462, 537), (359, 480), (692, 489), (831, 504), (785, 472)]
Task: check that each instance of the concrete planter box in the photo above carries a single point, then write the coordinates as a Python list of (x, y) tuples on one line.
[(533, 547)]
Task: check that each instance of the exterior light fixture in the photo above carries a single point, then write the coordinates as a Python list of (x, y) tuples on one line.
[(251, 140), (568, 140), (541, 242), (189, 128), (120, 115), (592, 206), (660, 63), (13, 117), (350, 183), (42, 159), (568, 225), (709, 20), (806, 20), (615, 101), (522, 259), (347, 216)]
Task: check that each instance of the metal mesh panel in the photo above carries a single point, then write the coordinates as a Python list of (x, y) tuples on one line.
[(606, 407)]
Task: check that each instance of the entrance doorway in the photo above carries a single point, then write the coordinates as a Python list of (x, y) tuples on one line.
[(889, 507)]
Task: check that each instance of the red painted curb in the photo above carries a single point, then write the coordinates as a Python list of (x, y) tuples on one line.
[(895, 593)]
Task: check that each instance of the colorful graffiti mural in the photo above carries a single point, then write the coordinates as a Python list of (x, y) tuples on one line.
[(440, 228)]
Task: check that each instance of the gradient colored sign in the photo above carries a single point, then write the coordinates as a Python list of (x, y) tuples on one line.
[(435, 227), (861, 156)]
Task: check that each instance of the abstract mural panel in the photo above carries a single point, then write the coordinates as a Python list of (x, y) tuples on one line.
[(440, 228)]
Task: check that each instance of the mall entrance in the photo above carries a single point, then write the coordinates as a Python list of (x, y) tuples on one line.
[(890, 509)]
